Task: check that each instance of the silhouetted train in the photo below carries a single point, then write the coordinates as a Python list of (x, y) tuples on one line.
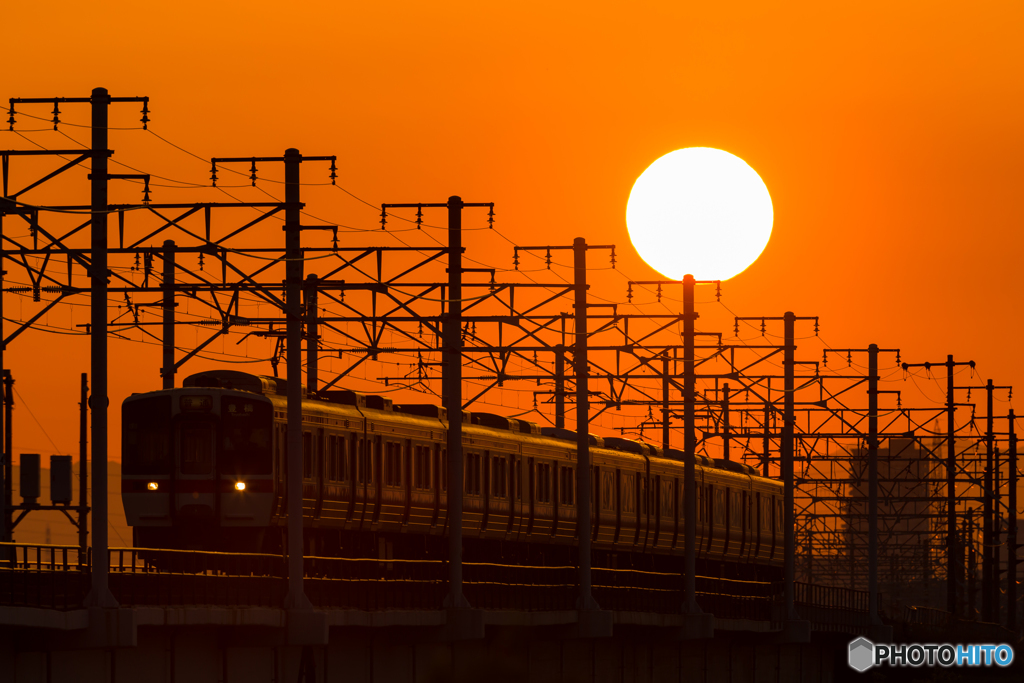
[(203, 468)]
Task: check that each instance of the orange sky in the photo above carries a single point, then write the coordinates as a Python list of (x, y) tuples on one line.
[(889, 138)]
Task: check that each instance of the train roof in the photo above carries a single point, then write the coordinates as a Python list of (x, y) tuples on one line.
[(261, 384)]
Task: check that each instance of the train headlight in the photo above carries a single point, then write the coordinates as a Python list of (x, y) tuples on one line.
[(152, 486), (239, 485)]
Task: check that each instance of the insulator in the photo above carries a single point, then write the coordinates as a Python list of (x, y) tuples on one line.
[(334, 171), (968, 393), (213, 174), (145, 193), (383, 218), (762, 327), (10, 118), (56, 115), (419, 217), (548, 259), (897, 357), (35, 293), (718, 290), (515, 258), (201, 260), (736, 328), (613, 258), (849, 359), (490, 217), (815, 327), (252, 173), (658, 295), (136, 266), (824, 358), (629, 293), (145, 114)]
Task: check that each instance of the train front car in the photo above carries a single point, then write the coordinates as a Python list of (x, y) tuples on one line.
[(197, 467)]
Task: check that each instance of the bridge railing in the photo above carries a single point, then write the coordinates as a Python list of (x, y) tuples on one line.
[(830, 608), (57, 577), (43, 575)]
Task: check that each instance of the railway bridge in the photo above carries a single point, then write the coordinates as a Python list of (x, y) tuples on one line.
[(220, 617)]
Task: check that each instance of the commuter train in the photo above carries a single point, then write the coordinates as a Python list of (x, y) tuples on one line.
[(203, 467)]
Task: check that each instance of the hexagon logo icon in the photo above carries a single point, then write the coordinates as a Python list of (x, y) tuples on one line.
[(862, 654)]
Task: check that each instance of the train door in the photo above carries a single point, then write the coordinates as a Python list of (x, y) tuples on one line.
[(639, 505), (756, 531), (320, 472), (377, 467), (407, 464), (436, 483), (675, 510), (486, 490), (509, 463), (530, 493), (657, 510), (553, 490), (709, 500), (195, 477), (618, 505)]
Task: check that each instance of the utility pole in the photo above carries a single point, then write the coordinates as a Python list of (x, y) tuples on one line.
[(690, 605), (560, 386), (451, 396), (873, 444), (311, 288), (1011, 537), (168, 370), (451, 386), (951, 534), (83, 471)]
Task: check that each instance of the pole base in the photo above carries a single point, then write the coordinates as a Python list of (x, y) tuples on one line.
[(463, 624), (307, 627), (110, 628), (880, 633), (794, 631)]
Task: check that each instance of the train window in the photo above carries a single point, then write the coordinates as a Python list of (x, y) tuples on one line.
[(667, 498), (499, 476), (472, 473), (341, 447), (146, 436), (778, 516), (566, 485), (423, 466), (444, 469), (196, 447), (392, 464), (336, 458), (628, 491), (517, 479), (365, 466), (544, 483), (607, 490), (307, 455), (719, 499), (641, 493)]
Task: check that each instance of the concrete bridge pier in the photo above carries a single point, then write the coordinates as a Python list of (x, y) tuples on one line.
[(250, 654)]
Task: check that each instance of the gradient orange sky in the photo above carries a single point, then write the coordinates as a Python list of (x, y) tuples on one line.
[(888, 136)]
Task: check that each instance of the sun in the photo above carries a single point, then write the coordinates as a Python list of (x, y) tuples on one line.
[(699, 211)]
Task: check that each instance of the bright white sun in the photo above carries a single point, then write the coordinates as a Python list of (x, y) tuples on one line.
[(699, 211)]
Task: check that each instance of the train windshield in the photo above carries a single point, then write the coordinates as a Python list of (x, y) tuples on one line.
[(245, 448), (146, 436)]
